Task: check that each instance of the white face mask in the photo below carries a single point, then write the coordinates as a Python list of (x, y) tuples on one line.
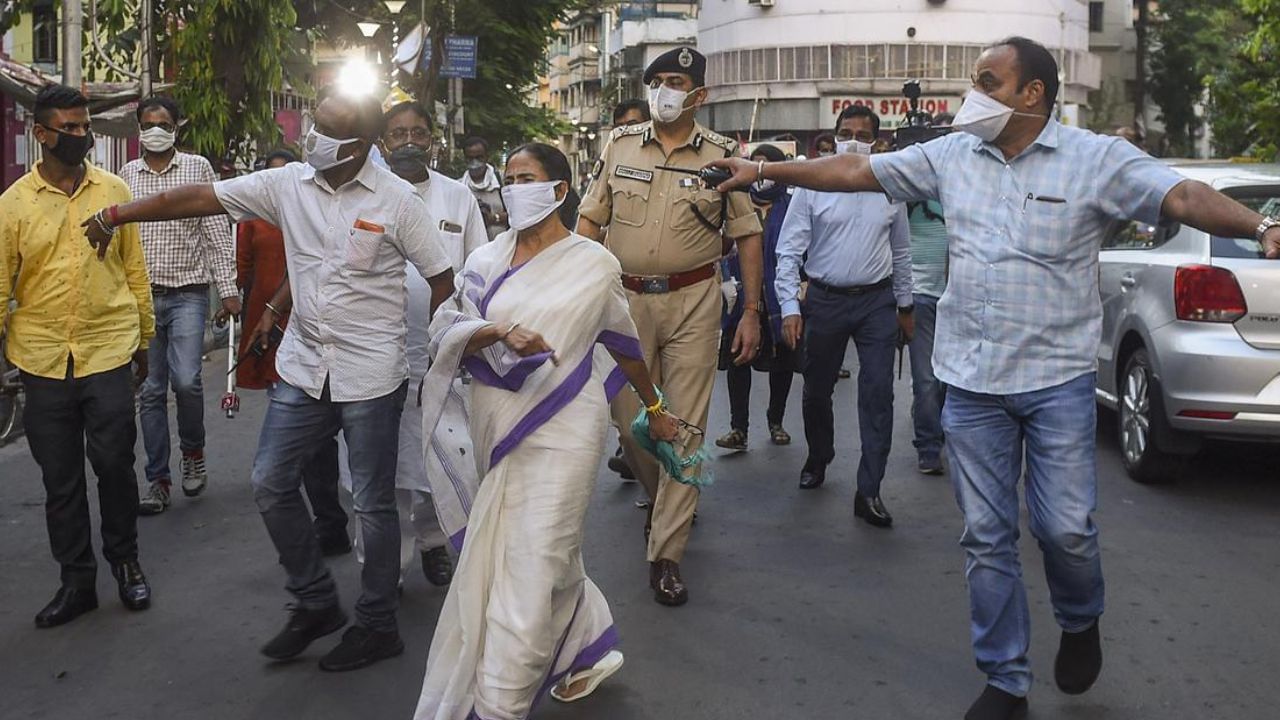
[(984, 117), (530, 203), (826, 153), (667, 104), (157, 139), (857, 147), (322, 150)]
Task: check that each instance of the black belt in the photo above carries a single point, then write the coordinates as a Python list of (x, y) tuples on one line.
[(853, 289), (197, 288)]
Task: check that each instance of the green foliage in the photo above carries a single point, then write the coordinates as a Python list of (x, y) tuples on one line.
[(1192, 40)]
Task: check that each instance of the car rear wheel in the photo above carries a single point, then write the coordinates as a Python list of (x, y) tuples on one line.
[(1142, 422)]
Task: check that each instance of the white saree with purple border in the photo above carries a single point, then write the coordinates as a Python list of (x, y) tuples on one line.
[(521, 613)]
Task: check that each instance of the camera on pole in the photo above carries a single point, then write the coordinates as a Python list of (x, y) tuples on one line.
[(918, 126)]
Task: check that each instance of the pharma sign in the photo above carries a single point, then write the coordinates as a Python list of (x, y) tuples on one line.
[(891, 109)]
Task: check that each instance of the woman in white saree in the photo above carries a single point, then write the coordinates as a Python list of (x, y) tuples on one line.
[(521, 618)]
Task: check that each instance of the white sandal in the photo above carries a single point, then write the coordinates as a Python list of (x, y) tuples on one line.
[(594, 675)]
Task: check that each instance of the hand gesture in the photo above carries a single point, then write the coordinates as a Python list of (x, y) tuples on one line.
[(527, 342), (230, 306), (792, 330), (746, 342), (663, 426), (97, 235), (744, 172)]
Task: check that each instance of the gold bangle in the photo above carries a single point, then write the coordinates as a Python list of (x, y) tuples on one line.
[(655, 409), (509, 331)]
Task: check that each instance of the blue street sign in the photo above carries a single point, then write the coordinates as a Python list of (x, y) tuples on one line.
[(460, 56)]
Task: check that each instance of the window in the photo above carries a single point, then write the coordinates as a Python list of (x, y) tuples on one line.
[(1140, 236), (1095, 16), (44, 32)]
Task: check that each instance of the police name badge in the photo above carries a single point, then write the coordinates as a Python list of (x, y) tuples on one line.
[(631, 173)]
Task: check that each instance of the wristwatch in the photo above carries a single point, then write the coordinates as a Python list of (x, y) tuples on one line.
[(906, 309), (1266, 224)]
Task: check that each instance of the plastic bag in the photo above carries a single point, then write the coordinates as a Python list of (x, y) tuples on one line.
[(684, 466)]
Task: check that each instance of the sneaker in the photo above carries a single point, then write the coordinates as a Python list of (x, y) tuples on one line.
[(733, 440), (156, 499), (618, 464), (930, 465), (362, 647), (194, 477), (1079, 660), (334, 544), (778, 435), (304, 626)]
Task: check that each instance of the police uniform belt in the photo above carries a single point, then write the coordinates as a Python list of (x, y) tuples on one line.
[(852, 289), (658, 284)]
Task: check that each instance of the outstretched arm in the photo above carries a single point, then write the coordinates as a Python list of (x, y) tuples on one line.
[(1200, 206), (185, 201), (846, 172)]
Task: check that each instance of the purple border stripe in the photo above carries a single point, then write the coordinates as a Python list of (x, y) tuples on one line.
[(624, 345), (488, 296), (614, 384), (513, 380), (554, 402), (457, 538)]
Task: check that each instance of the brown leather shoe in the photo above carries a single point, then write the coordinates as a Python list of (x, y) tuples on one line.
[(668, 588)]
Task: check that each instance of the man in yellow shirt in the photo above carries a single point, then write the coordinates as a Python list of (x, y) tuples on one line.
[(79, 322)]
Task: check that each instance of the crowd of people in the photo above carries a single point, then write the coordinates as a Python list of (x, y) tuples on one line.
[(425, 341)]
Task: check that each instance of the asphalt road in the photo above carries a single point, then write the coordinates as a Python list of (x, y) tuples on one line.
[(797, 610)]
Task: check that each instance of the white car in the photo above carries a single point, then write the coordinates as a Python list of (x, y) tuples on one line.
[(1191, 330)]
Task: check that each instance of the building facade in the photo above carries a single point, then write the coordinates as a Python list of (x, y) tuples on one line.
[(791, 66)]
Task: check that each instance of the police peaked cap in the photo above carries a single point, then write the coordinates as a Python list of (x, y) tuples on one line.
[(681, 60)]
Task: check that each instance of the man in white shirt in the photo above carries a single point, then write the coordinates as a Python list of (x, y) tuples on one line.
[(349, 227), (482, 180), (406, 145)]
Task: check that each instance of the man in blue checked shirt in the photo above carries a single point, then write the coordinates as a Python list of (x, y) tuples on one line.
[(1028, 204)]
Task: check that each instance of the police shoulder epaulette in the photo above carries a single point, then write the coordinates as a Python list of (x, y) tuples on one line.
[(719, 140), (626, 130)]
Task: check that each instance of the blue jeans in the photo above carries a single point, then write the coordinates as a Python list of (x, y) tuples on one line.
[(986, 435), (296, 427), (927, 392), (872, 321), (174, 359)]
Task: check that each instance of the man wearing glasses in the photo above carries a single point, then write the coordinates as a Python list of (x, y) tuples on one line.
[(183, 257)]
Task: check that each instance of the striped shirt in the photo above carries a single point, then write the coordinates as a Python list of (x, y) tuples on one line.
[(1021, 311), (193, 251), (928, 248)]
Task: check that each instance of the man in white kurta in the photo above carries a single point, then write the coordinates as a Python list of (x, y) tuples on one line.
[(460, 225)]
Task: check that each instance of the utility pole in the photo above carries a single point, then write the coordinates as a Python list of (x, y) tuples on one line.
[(144, 27), (1140, 83), (72, 27)]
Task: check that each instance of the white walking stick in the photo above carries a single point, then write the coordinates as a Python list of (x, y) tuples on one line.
[(231, 401)]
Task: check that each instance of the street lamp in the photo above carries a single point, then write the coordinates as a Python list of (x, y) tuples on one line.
[(394, 6), (368, 29)]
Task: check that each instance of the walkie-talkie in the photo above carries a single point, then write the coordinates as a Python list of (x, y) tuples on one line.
[(710, 176)]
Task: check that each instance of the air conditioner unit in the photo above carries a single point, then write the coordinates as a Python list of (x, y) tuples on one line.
[(761, 3)]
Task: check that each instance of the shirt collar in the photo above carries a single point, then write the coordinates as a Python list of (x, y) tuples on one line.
[(92, 176), (173, 163), (1048, 139), (694, 140), (368, 175)]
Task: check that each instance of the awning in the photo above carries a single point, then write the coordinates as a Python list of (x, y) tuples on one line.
[(110, 104)]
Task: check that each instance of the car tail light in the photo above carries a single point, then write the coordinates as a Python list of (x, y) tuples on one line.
[(1203, 293), (1208, 414)]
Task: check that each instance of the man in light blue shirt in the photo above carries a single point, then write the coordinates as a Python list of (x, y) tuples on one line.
[(929, 276), (859, 267), (1028, 203)]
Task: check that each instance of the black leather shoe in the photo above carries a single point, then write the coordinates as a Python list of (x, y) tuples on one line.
[(135, 593), (668, 588), (362, 647), (437, 566), (996, 704), (334, 544), (872, 510), (1079, 660), (812, 477), (304, 627), (618, 464), (67, 604)]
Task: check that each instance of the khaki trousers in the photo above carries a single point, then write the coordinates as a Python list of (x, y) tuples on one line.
[(680, 335)]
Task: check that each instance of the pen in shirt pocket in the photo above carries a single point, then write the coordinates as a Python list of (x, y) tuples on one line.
[(1042, 198)]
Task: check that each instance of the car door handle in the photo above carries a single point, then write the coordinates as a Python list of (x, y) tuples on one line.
[(1128, 281)]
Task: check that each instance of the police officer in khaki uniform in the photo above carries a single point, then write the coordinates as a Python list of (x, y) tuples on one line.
[(669, 232)]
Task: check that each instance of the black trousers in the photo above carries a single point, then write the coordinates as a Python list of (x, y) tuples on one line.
[(739, 381), (65, 421), (320, 480)]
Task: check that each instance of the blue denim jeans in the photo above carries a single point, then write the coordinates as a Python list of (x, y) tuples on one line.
[(174, 360), (295, 428), (927, 393), (986, 437)]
